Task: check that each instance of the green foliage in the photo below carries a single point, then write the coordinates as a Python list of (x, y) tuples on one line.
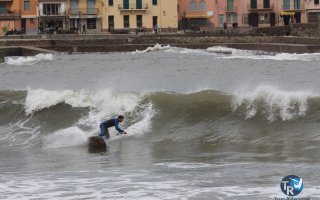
[(4, 28)]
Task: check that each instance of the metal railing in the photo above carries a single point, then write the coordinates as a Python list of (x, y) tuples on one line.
[(231, 9), (83, 11), (53, 13), (9, 12), (260, 6), (133, 7), (299, 6), (195, 13)]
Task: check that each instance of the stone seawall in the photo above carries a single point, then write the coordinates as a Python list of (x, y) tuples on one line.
[(122, 43)]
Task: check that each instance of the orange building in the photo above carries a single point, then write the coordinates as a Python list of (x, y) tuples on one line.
[(19, 15), (29, 22), (10, 15)]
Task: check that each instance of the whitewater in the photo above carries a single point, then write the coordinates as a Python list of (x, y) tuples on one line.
[(201, 124)]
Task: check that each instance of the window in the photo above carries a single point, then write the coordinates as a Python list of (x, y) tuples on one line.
[(316, 1), (229, 18), (193, 6), (297, 4), (235, 18), (154, 20), (51, 9), (266, 3), (202, 6), (110, 2), (26, 5), (253, 4), (139, 21), (154, 2), (286, 4), (126, 23), (91, 23)]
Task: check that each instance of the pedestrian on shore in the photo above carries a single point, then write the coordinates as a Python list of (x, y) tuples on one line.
[(225, 26), (156, 29), (84, 29)]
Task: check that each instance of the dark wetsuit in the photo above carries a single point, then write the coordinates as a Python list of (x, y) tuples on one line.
[(107, 124)]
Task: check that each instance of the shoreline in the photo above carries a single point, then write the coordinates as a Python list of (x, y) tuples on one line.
[(17, 46)]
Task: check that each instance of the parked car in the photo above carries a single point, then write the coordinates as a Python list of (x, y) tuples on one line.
[(14, 32)]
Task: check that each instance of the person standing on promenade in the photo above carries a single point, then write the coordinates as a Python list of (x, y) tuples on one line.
[(84, 29), (156, 29), (225, 26)]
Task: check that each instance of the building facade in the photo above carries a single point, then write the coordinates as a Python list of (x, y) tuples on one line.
[(209, 13), (291, 11), (262, 13), (132, 14), (52, 15), (19, 15), (85, 15), (29, 21), (10, 15), (312, 11)]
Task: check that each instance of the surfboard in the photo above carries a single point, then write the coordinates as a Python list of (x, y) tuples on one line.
[(96, 144)]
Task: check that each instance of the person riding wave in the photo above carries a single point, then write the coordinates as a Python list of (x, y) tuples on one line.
[(104, 132)]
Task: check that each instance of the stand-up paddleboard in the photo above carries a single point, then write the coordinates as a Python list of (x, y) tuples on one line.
[(96, 144)]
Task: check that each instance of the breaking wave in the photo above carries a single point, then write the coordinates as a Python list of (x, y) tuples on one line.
[(28, 60), (67, 117), (231, 53)]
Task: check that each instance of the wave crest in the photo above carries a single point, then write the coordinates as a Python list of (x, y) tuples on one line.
[(272, 103)]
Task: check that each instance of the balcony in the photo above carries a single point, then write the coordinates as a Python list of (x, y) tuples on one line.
[(133, 7), (231, 9), (9, 14), (196, 14), (53, 13), (293, 7), (83, 11), (260, 7)]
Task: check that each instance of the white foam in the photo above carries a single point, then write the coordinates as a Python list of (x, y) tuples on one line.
[(182, 165), (135, 184), (156, 47), (102, 102), (72, 136), (273, 103), (27, 60), (144, 125)]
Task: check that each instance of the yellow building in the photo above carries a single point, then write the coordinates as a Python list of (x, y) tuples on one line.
[(85, 15), (131, 14)]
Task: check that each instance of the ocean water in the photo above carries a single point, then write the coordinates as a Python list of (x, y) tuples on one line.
[(201, 125)]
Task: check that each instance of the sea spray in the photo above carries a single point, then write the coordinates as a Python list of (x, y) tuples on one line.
[(28, 60), (272, 103)]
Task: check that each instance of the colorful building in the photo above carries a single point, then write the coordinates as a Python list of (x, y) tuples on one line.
[(312, 8), (52, 15), (10, 15), (20, 15), (262, 12), (29, 21), (85, 15), (131, 14), (214, 13), (291, 11)]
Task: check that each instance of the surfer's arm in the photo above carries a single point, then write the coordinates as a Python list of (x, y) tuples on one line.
[(116, 125)]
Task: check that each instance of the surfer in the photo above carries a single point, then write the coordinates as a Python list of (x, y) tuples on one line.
[(104, 133)]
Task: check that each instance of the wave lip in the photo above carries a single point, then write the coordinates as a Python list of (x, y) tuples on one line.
[(28, 60), (272, 103)]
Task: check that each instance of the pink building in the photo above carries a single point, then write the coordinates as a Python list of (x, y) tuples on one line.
[(210, 13), (213, 13), (262, 12), (312, 8)]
